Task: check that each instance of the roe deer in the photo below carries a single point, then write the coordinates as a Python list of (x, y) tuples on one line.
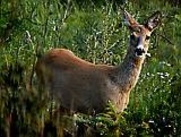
[(85, 87)]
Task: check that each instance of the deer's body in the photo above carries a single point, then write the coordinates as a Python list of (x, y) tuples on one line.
[(85, 87)]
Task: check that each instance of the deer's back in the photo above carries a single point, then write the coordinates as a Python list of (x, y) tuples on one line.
[(79, 85)]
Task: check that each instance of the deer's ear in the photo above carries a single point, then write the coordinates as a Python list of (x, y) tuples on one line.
[(153, 21), (129, 20)]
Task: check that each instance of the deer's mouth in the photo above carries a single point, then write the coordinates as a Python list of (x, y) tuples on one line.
[(139, 52)]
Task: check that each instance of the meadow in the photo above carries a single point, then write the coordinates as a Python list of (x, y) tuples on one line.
[(94, 31)]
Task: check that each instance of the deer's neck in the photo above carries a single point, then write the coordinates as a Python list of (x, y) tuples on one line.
[(128, 71)]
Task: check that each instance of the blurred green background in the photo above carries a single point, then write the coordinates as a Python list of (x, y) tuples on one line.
[(94, 31)]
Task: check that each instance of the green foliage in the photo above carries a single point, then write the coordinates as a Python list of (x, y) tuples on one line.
[(96, 33)]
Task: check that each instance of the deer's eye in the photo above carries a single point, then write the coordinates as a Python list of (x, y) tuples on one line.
[(134, 40), (147, 37), (133, 37)]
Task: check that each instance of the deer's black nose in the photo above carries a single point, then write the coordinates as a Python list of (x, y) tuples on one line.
[(139, 51)]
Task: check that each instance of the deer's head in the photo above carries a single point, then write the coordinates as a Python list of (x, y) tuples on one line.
[(140, 34)]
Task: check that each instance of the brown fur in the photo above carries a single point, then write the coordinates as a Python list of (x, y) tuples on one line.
[(85, 87)]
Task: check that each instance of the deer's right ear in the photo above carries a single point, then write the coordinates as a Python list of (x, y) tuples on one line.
[(129, 20), (153, 21)]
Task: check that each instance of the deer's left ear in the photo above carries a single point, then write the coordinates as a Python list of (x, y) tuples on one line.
[(153, 21), (129, 20)]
